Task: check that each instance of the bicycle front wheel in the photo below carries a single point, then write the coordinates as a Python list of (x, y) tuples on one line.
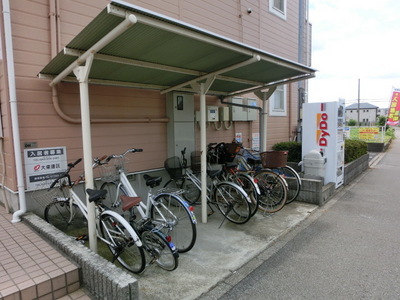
[(176, 218), (66, 217), (191, 192), (120, 237), (273, 191), (232, 202), (163, 252)]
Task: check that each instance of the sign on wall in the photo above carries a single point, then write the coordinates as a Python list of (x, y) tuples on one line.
[(43, 165), (255, 141)]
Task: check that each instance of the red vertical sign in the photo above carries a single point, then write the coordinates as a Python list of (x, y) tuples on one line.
[(394, 109)]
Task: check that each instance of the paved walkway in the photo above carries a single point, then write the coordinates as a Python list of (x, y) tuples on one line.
[(30, 268)]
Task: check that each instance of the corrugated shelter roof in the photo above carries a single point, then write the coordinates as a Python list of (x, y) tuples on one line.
[(158, 52)]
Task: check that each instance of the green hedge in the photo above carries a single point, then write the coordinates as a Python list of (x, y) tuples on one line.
[(294, 149), (354, 149)]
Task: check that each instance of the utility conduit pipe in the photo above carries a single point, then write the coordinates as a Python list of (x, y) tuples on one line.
[(14, 112)]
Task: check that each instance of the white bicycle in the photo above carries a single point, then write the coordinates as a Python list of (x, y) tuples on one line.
[(69, 214), (167, 210)]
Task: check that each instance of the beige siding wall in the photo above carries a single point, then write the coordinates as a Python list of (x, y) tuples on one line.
[(40, 123)]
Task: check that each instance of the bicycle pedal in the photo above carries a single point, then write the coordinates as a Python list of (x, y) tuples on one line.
[(82, 237), (210, 213)]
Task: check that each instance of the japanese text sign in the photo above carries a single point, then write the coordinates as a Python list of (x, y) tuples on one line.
[(394, 109), (43, 165)]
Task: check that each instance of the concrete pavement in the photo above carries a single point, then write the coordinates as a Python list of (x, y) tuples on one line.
[(224, 255)]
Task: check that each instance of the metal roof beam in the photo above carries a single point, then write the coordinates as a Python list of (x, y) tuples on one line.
[(120, 28), (269, 85), (254, 59), (134, 62)]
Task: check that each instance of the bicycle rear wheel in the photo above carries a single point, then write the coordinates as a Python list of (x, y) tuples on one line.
[(163, 252), (66, 218), (176, 219), (232, 202), (293, 180), (121, 237), (249, 187), (273, 191)]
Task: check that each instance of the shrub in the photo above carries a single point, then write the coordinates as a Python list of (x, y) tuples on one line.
[(390, 132), (351, 122), (294, 149), (354, 149)]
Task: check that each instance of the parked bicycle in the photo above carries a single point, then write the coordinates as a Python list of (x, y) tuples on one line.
[(225, 153), (251, 160), (69, 214), (272, 188), (167, 210), (230, 199)]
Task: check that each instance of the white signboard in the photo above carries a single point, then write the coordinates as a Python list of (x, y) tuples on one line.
[(255, 141), (239, 137), (43, 165)]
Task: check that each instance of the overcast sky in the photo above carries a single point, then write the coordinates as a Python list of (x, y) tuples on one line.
[(355, 39)]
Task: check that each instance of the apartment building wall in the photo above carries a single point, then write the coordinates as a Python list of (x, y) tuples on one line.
[(49, 117)]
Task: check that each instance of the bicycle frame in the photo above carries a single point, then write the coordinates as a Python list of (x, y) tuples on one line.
[(197, 182), (74, 199)]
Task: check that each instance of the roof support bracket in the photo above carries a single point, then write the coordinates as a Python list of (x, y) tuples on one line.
[(253, 59)]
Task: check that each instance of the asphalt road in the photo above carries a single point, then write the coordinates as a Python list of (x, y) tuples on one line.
[(348, 249)]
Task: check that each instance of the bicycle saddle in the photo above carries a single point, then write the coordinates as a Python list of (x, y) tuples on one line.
[(152, 181), (95, 195)]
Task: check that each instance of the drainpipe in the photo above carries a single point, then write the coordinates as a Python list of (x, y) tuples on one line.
[(14, 111)]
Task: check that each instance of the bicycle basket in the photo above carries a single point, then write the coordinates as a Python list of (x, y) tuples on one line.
[(110, 172), (44, 196), (229, 152), (174, 167), (195, 158), (274, 159)]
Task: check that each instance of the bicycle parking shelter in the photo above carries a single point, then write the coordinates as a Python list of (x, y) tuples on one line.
[(128, 46)]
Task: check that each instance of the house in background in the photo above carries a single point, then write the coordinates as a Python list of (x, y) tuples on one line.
[(383, 112), (364, 113), (35, 115)]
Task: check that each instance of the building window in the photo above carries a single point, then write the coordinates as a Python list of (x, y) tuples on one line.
[(277, 102), (278, 7)]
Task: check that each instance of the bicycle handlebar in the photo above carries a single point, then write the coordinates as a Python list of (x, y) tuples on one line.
[(66, 173), (132, 150)]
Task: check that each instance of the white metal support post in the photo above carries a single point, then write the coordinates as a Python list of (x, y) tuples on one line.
[(82, 74), (264, 96), (202, 89)]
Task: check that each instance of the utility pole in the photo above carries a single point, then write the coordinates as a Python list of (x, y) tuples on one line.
[(358, 109)]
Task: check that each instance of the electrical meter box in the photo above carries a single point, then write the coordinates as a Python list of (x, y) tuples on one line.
[(212, 114), (181, 126), (238, 113), (224, 113), (180, 107), (251, 113)]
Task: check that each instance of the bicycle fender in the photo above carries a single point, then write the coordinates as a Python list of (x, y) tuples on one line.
[(128, 227), (239, 188)]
